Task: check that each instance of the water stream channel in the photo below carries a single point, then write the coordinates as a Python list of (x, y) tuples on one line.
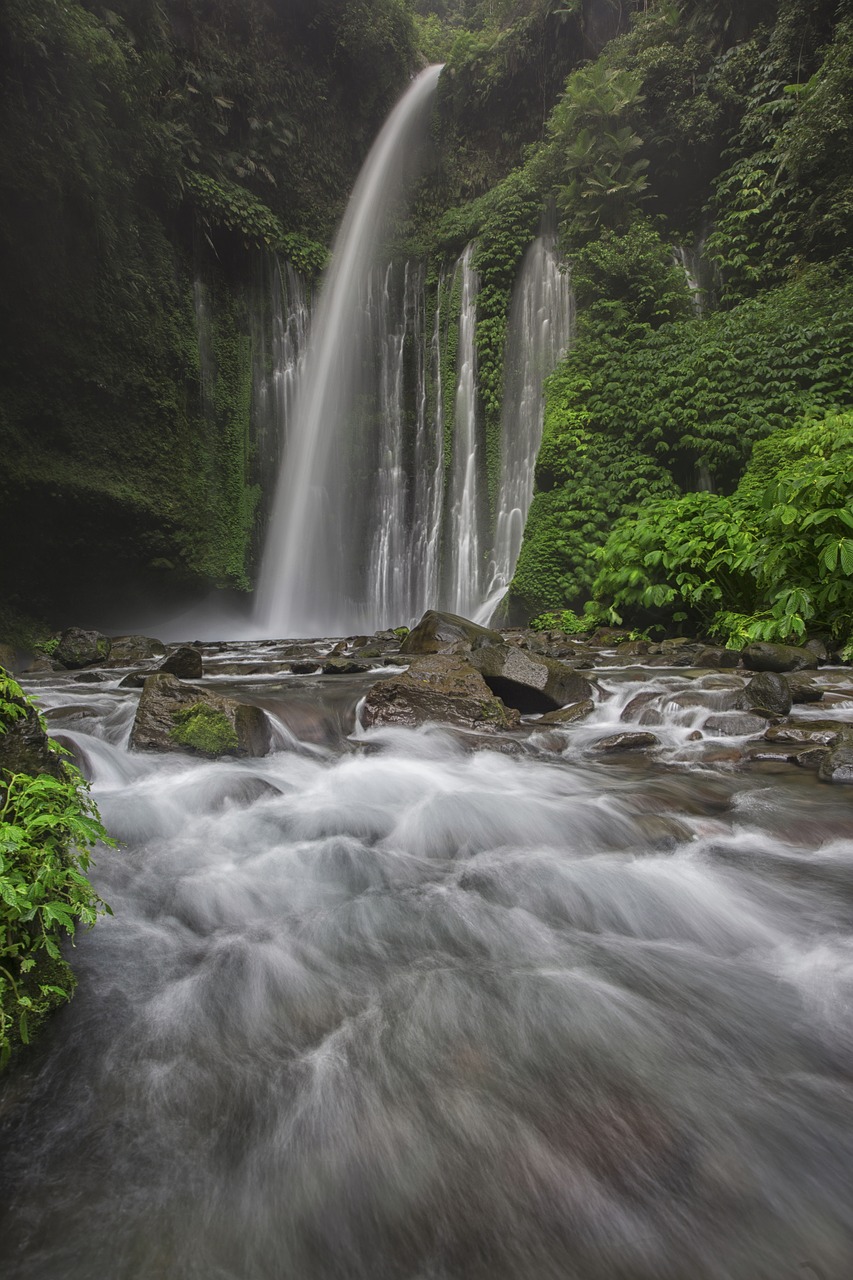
[(425, 1005)]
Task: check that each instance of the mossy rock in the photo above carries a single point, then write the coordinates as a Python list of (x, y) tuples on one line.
[(172, 716)]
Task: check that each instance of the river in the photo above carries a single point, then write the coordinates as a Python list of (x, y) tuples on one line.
[(383, 1006)]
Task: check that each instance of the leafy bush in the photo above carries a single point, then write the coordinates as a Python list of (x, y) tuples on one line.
[(48, 827), (771, 562)]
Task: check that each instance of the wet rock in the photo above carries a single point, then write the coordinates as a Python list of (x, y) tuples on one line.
[(441, 688), (812, 757), (79, 648), (778, 657), (363, 652), (735, 724), (819, 733), (185, 663), (38, 665), (24, 746), (569, 715), (768, 691), (712, 656), (135, 679), (818, 648), (344, 667), (305, 666), (90, 677), (770, 752), (632, 709), (527, 681), (626, 742), (126, 650), (663, 834), (632, 648), (172, 716), (447, 633), (609, 636), (837, 766), (804, 688)]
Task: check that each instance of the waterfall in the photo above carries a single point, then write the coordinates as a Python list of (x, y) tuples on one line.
[(695, 270), (464, 542), (322, 548), (278, 324), (538, 336)]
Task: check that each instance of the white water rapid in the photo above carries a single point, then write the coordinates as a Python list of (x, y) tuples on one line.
[(313, 575), (382, 1007)]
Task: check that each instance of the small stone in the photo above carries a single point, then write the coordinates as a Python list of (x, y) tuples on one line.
[(633, 708), (570, 714), (90, 677), (305, 666), (803, 688)]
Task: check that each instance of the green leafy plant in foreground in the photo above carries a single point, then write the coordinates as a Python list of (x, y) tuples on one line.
[(48, 827)]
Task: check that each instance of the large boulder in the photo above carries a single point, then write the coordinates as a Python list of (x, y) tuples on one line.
[(441, 688), (767, 691), (837, 766), (126, 650), (185, 663), (24, 745), (778, 657), (447, 633), (530, 682), (79, 648), (176, 717)]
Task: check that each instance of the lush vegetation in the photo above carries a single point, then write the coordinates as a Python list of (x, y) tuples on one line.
[(153, 156), (48, 827)]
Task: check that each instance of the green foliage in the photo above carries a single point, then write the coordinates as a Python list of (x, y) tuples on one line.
[(48, 827), (568, 621), (771, 562), (622, 281), (205, 730), (591, 150), (234, 207)]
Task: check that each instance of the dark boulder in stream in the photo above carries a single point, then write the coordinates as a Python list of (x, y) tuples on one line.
[(778, 657), (530, 682), (175, 717), (447, 633), (79, 648), (441, 688)]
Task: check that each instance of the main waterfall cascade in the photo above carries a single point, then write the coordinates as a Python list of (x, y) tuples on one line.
[(382, 508), (319, 544)]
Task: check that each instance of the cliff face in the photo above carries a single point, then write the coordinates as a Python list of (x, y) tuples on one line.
[(154, 159), (145, 149)]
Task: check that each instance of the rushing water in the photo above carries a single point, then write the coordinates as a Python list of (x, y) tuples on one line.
[(312, 576), (381, 1006)]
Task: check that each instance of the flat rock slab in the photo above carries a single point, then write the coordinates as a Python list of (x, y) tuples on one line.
[(735, 724), (166, 709), (443, 689), (625, 742)]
